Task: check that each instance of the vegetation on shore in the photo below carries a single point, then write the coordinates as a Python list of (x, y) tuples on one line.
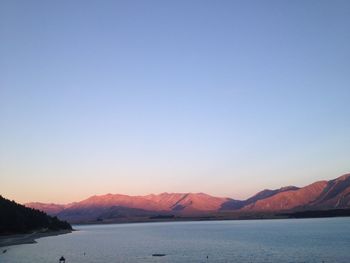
[(17, 219)]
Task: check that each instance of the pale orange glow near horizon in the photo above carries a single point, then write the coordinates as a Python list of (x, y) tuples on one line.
[(61, 192)]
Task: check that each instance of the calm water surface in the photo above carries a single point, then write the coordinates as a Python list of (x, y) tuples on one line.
[(298, 240)]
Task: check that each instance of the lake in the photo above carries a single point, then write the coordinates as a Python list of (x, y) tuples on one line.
[(287, 240)]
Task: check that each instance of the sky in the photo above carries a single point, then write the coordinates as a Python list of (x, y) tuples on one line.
[(139, 97)]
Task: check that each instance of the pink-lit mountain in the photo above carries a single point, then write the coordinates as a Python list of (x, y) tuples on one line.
[(319, 195)]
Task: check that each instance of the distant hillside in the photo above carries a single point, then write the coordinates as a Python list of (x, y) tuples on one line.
[(51, 209), (16, 218), (322, 195), (119, 206), (288, 199), (336, 194), (237, 204)]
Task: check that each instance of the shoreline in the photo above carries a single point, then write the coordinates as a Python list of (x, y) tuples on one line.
[(281, 216), (18, 239)]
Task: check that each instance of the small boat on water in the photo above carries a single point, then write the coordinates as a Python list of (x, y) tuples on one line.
[(158, 255)]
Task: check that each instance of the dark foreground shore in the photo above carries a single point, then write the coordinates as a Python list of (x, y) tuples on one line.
[(18, 239)]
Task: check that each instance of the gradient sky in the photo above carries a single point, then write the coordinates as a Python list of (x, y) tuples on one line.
[(138, 97)]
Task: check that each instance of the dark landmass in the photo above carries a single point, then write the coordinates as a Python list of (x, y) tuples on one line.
[(319, 213), (181, 218), (20, 224), (18, 219), (162, 217), (221, 216)]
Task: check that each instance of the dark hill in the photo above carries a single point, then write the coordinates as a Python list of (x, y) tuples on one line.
[(16, 218)]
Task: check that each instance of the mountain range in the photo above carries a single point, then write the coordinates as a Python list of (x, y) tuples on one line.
[(321, 195)]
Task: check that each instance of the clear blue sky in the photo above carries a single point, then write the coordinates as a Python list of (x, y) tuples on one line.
[(134, 97)]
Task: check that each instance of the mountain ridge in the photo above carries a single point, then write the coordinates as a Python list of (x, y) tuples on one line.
[(332, 194)]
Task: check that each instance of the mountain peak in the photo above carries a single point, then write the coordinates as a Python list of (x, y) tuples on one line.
[(343, 177)]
